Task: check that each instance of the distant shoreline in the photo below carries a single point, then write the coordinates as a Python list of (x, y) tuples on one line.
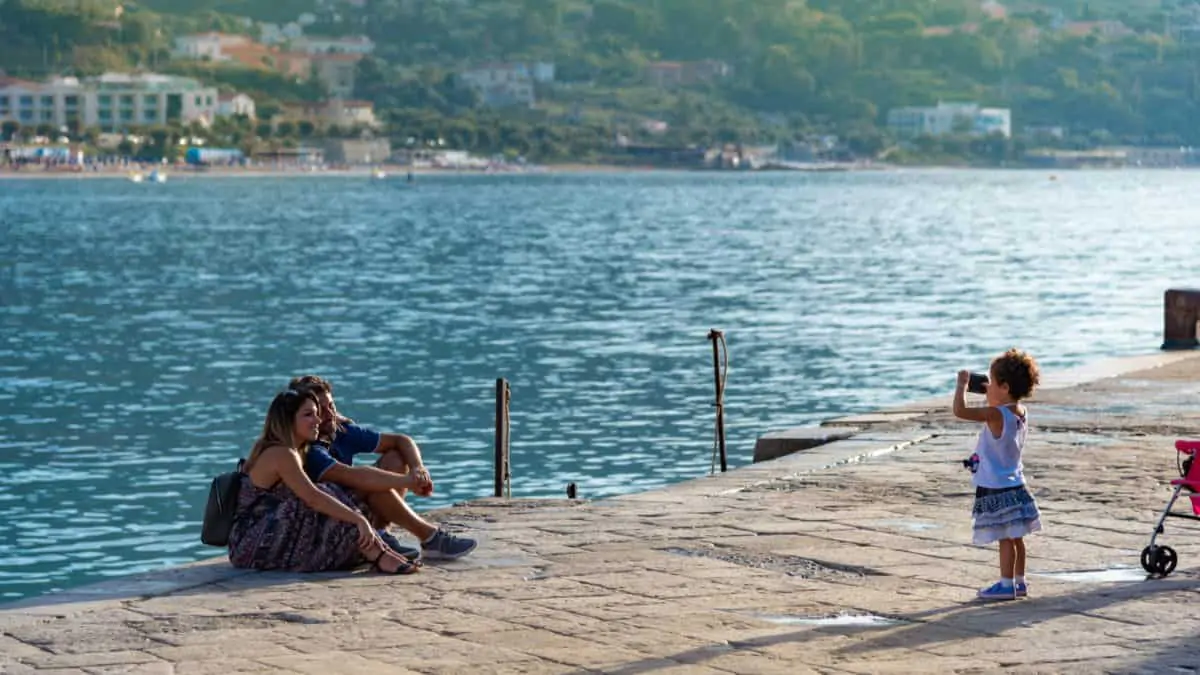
[(399, 173), (392, 173)]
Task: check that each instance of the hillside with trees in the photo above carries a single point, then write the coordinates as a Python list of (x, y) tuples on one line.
[(796, 67)]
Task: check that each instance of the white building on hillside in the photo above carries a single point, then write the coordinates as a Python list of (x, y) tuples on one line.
[(337, 112), (356, 44), (59, 101), (507, 84), (209, 46), (229, 105), (274, 34), (112, 102), (950, 118), (541, 72)]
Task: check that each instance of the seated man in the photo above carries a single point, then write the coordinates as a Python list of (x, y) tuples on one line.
[(398, 470)]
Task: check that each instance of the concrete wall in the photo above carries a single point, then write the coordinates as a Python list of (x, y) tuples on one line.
[(345, 151)]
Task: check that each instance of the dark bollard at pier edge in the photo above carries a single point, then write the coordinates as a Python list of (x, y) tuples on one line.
[(503, 465), (1181, 314)]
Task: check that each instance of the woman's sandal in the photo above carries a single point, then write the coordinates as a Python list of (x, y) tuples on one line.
[(405, 566)]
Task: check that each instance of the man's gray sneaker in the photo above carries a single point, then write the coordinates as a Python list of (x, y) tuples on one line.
[(445, 546), (393, 543)]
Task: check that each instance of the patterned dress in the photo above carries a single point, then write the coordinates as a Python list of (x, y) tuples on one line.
[(276, 530)]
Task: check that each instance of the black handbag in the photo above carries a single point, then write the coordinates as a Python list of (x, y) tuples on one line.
[(221, 509)]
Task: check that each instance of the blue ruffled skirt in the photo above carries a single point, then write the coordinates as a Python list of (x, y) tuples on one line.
[(1004, 513)]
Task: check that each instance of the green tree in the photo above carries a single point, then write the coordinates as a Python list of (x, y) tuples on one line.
[(781, 82), (370, 81)]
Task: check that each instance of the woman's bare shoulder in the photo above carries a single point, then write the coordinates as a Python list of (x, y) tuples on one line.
[(277, 453), (269, 465)]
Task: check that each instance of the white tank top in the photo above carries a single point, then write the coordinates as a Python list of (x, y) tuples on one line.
[(1000, 458)]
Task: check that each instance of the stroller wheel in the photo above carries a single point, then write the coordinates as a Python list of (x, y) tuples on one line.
[(1148, 558), (1159, 560), (1165, 560)]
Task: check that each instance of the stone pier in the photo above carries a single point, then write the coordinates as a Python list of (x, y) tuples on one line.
[(849, 557)]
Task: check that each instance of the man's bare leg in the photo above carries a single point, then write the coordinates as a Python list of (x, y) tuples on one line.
[(393, 462), (389, 507)]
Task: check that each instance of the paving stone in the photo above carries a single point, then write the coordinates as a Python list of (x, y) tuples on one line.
[(439, 667), (614, 605), (746, 662), (45, 661), (563, 622), (448, 622), (711, 626), (64, 636), (904, 666), (646, 640), (193, 637), (15, 649), (342, 663), (1057, 656), (152, 668), (563, 649), (528, 589), (223, 666), (670, 668), (454, 655), (237, 648), (364, 634)]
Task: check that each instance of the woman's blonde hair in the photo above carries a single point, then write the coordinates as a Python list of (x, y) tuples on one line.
[(280, 424)]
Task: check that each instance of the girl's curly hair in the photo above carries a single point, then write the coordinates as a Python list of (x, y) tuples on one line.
[(1018, 370)]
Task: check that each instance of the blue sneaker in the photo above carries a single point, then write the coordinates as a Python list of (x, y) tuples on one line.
[(445, 546), (998, 591), (393, 543), (1021, 590)]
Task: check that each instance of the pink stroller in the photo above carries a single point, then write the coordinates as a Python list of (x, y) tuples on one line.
[(1161, 560)]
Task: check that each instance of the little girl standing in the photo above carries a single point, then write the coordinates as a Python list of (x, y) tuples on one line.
[(1004, 510)]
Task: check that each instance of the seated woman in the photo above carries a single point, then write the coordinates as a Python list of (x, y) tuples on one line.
[(284, 521)]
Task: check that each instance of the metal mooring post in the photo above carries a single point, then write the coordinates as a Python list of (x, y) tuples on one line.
[(718, 342), (503, 469)]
